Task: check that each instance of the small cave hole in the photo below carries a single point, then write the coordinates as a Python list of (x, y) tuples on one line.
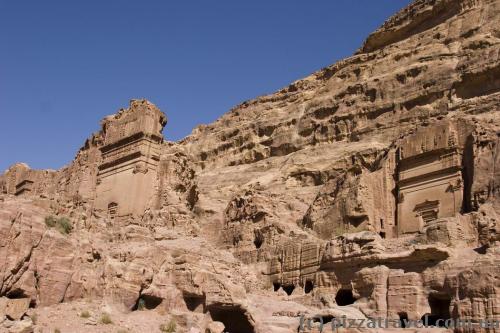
[(289, 289), (482, 249), (96, 255), (147, 302), (325, 319), (344, 297), (403, 319), (16, 294), (258, 240), (237, 239), (276, 286), (382, 234), (19, 293), (112, 210), (357, 220), (309, 286), (259, 216), (195, 303), (234, 318)]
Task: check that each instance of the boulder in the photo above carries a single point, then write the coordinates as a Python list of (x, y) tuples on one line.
[(15, 309), (215, 327), (22, 326)]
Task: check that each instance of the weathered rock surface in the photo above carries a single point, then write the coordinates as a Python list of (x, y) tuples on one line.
[(368, 189)]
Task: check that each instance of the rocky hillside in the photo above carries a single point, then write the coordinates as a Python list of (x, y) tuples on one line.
[(369, 189)]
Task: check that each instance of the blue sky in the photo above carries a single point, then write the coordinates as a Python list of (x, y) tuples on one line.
[(64, 65)]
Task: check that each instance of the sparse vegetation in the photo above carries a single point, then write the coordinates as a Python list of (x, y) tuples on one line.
[(339, 231), (85, 314), (34, 318), (56, 330), (168, 328), (50, 221), (62, 224), (105, 319)]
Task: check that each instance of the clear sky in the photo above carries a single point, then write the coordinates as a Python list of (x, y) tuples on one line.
[(64, 65)]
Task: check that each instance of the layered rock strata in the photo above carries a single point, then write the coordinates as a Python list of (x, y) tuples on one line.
[(367, 189)]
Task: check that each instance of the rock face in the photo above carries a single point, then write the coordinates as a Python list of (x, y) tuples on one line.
[(130, 156), (368, 189)]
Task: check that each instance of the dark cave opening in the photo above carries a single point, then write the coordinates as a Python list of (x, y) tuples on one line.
[(234, 318), (308, 287), (325, 319), (468, 175), (237, 239), (147, 302), (19, 293), (289, 289), (403, 319), (276, 286), (344, 297), (195, 303), (482, 249), (151, 302), (16, 294), (258, 240), (357, 220), (440, 309)]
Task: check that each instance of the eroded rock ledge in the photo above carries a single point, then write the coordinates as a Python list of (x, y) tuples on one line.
[(368, 189)]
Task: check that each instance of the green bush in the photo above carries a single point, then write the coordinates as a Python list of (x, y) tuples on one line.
[(168, 328), (339, 231), (50, 221), (105, 319), (62, 224), (85, 314)]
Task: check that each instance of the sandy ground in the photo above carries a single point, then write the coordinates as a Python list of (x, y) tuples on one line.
[(83, 317)]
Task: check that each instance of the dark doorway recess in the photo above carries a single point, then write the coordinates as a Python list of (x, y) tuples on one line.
[(326, 319), (482, 249), (440, 309), (308, 287), (344, 297), (234, 318), (468, 203), (195, 303), (19, 293), (289, 289), (147, 302), (16, 293), (403, 319), (258, 240), (276, 286)]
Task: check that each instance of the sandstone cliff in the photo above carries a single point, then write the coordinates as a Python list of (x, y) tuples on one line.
[(368, 189)]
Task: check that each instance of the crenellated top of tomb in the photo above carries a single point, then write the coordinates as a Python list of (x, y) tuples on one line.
[(141, 118), (442, 137)]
